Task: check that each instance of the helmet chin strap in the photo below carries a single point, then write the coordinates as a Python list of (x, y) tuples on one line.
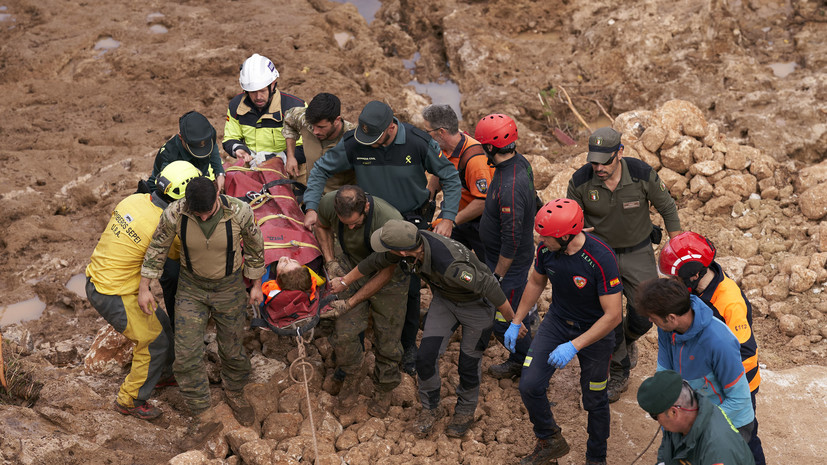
[(692, 284), (564, 244)]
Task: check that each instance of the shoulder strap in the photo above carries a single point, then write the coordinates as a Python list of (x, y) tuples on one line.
[(367, 227), (184, 249), (228, 270)]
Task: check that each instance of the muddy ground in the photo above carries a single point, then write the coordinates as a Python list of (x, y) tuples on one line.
[(82, 120)]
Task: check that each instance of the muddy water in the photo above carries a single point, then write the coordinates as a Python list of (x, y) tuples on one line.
[(22, 311), (77, 284), (367, 8), (446, 92)]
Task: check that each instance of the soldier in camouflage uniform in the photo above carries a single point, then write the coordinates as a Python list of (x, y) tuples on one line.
[(465, 293), (354, 216), (211, 228)]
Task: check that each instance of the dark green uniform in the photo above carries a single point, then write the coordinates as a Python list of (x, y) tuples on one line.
[(211, 285), (465, 293), (621, 219), (386, 307)]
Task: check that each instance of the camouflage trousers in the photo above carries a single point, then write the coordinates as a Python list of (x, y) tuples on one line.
[(197, 300), (387, 308)]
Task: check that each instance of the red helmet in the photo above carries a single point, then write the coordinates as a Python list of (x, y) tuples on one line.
[(687, 248), (497, 130), (559, 218)]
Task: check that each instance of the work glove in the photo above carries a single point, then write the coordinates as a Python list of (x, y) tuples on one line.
[(334, 269), (337, 308), (511, 336), (562, 355)]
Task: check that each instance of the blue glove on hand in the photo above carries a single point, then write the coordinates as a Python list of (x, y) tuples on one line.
[(511, 335), (562, 355)]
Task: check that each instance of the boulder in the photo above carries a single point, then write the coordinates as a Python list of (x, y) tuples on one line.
[(110, 353), (642, 153), (675, 182), (280, 426), (543, 169), (813, 202), (801, 278), (822, 236), (742, 185), (790, 325), (192, 457), (652, 138), (259, 452), (679, 157), (682, 116), (733, 266), (240, 436), (712, 136), (778, 288), (762, 166), (738, 157), (810, 176), (703, 154), (705, 168), (699, 186)]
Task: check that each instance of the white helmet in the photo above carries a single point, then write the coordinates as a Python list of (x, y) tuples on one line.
[(257, 72)]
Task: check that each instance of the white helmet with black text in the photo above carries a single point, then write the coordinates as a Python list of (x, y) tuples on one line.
[(257, 72)]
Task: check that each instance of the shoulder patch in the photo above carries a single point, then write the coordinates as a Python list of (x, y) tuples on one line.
[(506, 210), (614, 282), (466, 276), (482, 185), (579, 281)]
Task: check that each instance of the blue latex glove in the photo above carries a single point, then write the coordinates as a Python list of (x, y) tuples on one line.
[(511, 335), (562, 355)]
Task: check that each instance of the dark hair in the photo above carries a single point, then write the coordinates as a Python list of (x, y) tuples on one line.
[(200, 195), (441, 116), (349, 200), (662, 297), (298, 280), (323, 106)]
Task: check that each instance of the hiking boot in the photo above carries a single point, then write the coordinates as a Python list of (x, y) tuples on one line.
[(242, 409), (424, 422), (203, 428), (547, 450), (144, 412), (595, 462), (631, 349), (408, 363), (380, 405), (506, 369), (349, 393), (459, 425), (616, 386)]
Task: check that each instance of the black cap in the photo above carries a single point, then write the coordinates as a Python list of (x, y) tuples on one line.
[(197, 133), (374, 119)]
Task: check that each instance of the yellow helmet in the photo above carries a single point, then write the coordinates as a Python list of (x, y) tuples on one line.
[(173, 179)]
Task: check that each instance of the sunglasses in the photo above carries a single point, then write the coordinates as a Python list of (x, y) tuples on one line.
[(608, 162)]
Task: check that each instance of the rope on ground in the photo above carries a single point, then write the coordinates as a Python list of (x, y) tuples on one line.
[(301, 362), (647, 447)]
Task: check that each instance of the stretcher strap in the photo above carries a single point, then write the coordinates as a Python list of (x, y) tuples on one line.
[(288, 245), (267, 218)]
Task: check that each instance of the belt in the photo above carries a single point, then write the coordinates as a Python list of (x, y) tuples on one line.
[(620, 250), (575, 324)]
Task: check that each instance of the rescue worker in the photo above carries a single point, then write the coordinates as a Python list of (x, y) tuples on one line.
[(464, 293), (699, 347), (112, 278), (691, 257), (194, 143), (211, 228), (352, 216), (255, 117), (474, 173), (615, 193), (390, 159), (320, 126), (694, 430), (506, 227), (585, 309)]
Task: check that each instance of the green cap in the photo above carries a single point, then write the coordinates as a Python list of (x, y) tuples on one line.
[(602, 144), (658, 393), (374, 119), (395, 235)]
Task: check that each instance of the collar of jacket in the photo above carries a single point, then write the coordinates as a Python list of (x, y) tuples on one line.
[(274, 109)]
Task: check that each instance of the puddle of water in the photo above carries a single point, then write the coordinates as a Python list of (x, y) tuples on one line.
[(22, 311), (342, 38), (77, 284), (367, 8), (158, 29), (441, 92), (783, 70), (106, 44), (5, 17), (410, 65), (154, 17)]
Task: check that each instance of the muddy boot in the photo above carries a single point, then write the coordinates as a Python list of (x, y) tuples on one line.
[(380, 405), (146, 411), (349, 394), (336, 381), (408, 364), (547, 450), (616, 386), (631, 349), (424, 422), (507, 369), (242, 409), (205, 426), (459, 425)]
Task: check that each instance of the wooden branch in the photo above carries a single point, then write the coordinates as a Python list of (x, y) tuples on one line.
[(574, 110), (604, 111)]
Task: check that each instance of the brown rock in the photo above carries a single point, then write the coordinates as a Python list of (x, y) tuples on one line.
[(712, 135), (259, 452), (699, 186), (324, 347), (263, 398), (822, 236), (632, 124), (762, 166), (679, 157), (721, 205), (424, 448), (683, 116), (802, 279), (748, 221), (702, 154), (672, 138), (283, 458), (192, 457), (778, 288), (279, 426), (705, 168), (760, 306), (347, 439), (818, 261), (543, 170), (733, 266), (813, 202), (744, 247), (738, 156), (675, 182), (640, 152), (236, 438), (790, 325), (652, 138), (810, 176), (742, 185), (111, 351), (801, 341)]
